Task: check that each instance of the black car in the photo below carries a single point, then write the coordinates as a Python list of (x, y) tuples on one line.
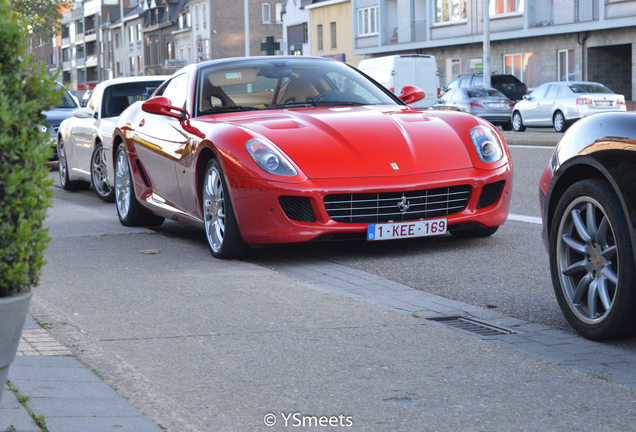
[(64, 109), (588, 204), (505, 83)]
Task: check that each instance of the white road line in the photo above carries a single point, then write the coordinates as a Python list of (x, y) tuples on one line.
[(530, 146), (522, 218)]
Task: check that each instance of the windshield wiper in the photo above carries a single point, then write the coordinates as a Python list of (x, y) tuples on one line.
[(339, 103), (228, 109), (292, 105)]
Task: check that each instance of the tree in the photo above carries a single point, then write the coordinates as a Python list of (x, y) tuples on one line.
[(39, 17)]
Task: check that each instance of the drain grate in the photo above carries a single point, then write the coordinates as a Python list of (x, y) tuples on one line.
[(472, 325)]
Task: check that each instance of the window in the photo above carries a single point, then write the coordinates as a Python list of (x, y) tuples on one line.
[(523, 66), (176, 90), (205, 17), (170, 50), (505, 6), (512, 65), (118, 69), (320, 47), (79, 26), (267, 13), (368, 21), (451, 11), (131, 34), (132, 65), (116, 41), (278, 7), (196, 17), (139, 32), (140, 64), (188, 22), (567, 69), (333, 36)]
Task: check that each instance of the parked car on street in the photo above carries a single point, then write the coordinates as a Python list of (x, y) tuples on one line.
[(487, 103), (505, 83), (64, 109), (588, 203), (559, 104), (280, 149), (84, 140)]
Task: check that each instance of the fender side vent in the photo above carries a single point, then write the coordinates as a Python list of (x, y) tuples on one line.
[(142, 172), (472, 325), (297, 208)]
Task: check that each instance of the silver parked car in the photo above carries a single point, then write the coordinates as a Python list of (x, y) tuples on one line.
[(487, 103), (84, 140), (559, 104)]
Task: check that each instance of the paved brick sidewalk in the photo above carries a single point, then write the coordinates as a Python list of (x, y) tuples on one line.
[(62, 392)]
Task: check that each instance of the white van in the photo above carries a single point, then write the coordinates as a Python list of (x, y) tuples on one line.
[(396, 71)]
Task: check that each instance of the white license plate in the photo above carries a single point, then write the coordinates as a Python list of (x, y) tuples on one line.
[(395, 230), (496, 105), (603, 103)]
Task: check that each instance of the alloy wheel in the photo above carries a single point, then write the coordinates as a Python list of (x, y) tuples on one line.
[(62, 163), (587, 260), (100, 172), (123, 184), (214, 208), (558, 122)]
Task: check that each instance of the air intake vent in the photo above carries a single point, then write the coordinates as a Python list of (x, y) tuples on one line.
[(297, 208), (490, 194), (473, 326), (397, 206)]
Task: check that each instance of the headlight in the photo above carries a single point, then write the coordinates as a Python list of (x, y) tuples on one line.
[(486, 144), (268, 158)]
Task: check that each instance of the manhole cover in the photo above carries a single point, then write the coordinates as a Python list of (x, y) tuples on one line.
[(472, 325)]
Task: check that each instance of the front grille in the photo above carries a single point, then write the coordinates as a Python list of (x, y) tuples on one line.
[(297, 208), (490, 194), (397, 206)]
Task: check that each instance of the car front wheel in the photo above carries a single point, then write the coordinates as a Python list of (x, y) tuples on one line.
[(517, 122), (128, 209), (99, 175), (221, 229), (592, 261)]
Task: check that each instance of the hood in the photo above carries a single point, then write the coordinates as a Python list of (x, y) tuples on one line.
[(361, 141), (57, 115)]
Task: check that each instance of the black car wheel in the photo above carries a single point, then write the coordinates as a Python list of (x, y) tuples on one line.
[(507, 126), (592, 261), (517, 122), (559, 122), (128, 209), (99, 175), (67, 185), (221, 229)]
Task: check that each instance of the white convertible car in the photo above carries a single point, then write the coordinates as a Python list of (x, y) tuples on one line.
[(84, 140)]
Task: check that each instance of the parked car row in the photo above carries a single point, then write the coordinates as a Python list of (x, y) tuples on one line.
[(556, 104), (288, 149)]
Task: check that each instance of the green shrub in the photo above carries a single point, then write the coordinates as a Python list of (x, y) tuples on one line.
[(25, 194)]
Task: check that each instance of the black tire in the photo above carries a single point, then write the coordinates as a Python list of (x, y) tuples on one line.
[(221, 228), (559, 122), (128, 209), (517, 122), (67, 185), (507, 126), (592, 261), (474, 232), (99, 175)]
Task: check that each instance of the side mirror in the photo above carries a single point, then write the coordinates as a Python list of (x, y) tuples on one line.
[(83, 113), (526, 97), (162, 106), (411, 94)]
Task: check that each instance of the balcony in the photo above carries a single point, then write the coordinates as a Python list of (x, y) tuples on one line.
[(66, 65), (90, 35), (544, 13), (91, 61), (66, 41)]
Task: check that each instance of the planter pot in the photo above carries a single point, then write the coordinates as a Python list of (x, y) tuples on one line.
[(13, 311)]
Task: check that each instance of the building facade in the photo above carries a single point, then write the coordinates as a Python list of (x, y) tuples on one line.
[(332, 35), (538, 41), (296, 31)]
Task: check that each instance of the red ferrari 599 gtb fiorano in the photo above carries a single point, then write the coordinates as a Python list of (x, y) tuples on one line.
[(268, 150)]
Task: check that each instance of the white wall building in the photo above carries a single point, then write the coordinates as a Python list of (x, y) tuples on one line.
[(296, 29)]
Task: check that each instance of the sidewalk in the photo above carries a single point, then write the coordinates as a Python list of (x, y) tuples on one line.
[(63, 395)]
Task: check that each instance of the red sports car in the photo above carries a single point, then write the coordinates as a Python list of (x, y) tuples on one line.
[(266, 150)]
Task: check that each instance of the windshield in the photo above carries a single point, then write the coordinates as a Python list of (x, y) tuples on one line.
[(589, 88), (263, 84), (67, 100), (479, 93), (118, 97)]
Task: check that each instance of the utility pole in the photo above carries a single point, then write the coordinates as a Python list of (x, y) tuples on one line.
[(124, 57), (247, 29), (486, 59)]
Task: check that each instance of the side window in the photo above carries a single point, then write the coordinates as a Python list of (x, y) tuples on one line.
[(465, 82), (95, 99), (177, 90), (540, 92), (552, 91)]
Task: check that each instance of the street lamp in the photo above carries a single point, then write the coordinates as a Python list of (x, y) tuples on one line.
[(123, 37), (486, 59), (247, 29)]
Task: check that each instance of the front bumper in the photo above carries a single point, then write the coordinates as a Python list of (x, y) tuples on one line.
[(261, 219)]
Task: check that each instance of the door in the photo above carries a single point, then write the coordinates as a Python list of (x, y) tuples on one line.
[(160, 142), (546, 105), (530, 107)]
